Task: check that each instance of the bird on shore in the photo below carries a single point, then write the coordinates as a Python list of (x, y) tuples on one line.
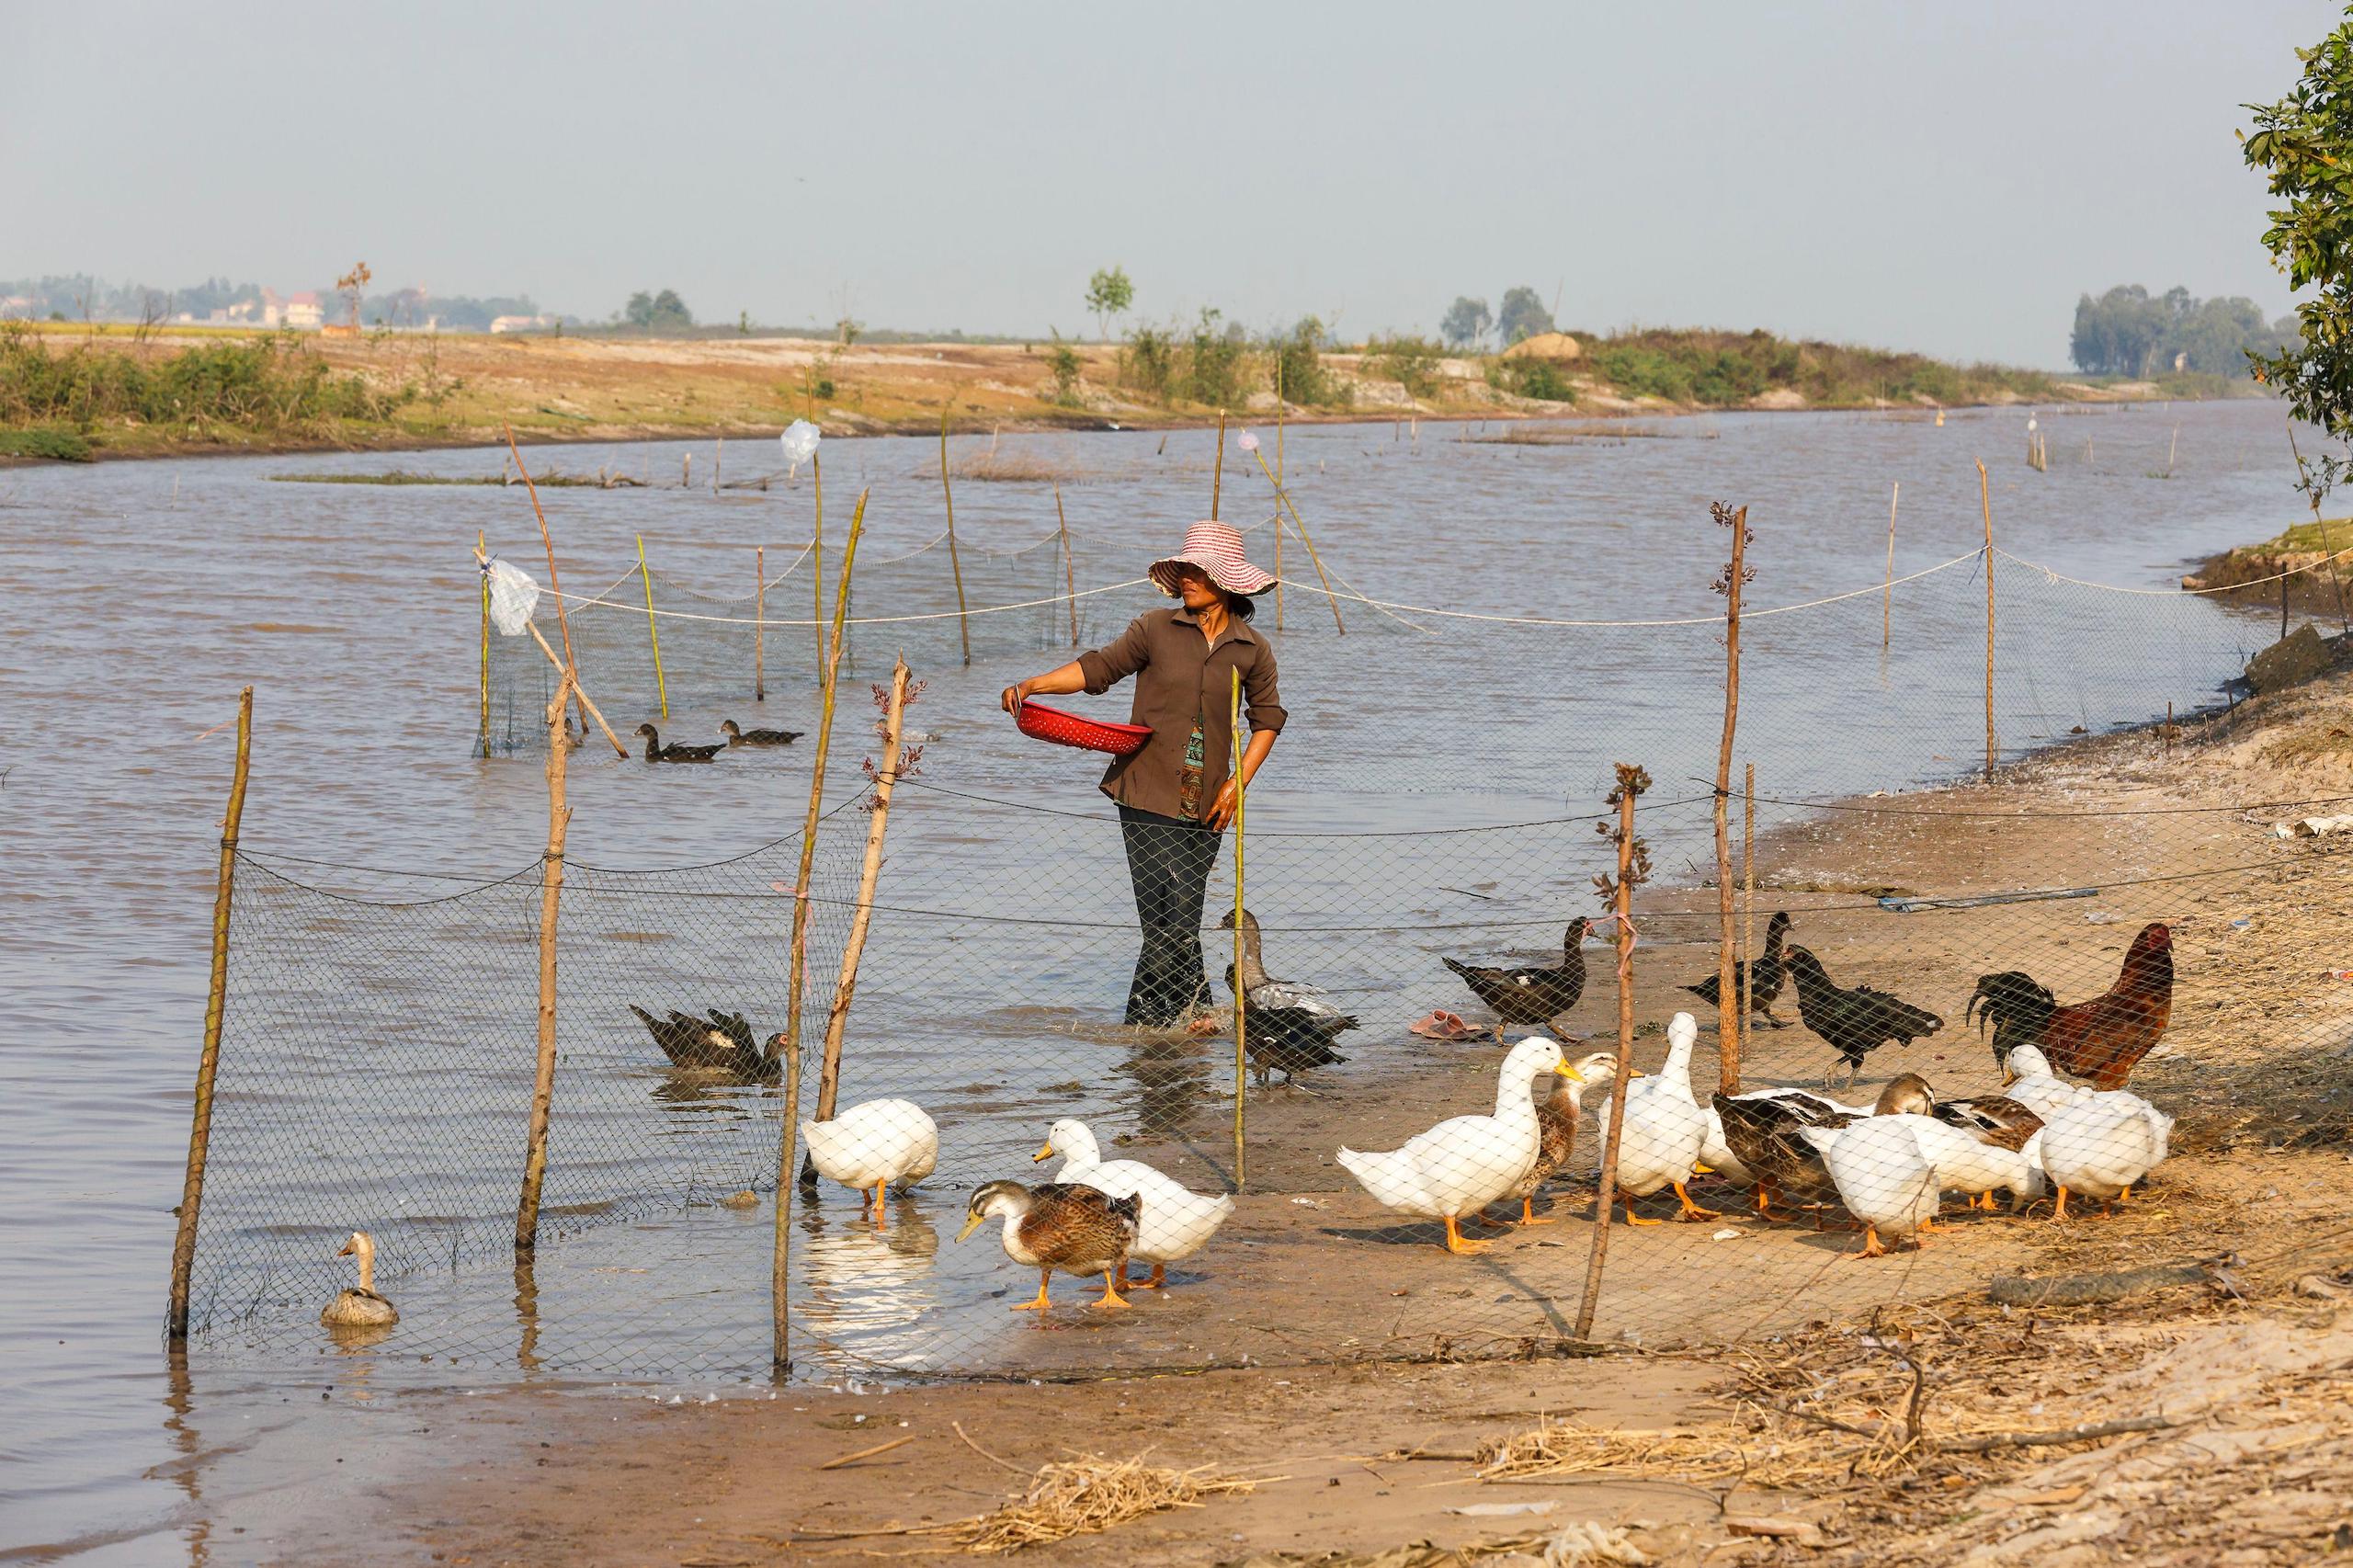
[(1557, 1115), (2102, 1040), (1665, 1130), (359, 1306), (1884, 1176), (1764, 973), (1175, 1222), (676, 751), (1078, 1228), (872, 1144), (739, 737), (1762, 1131), (1289, 1040), (1266, 993), (1533, 995), (1853, 1022)]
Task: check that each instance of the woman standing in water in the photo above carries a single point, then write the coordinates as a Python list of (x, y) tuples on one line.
[(1176, 795)]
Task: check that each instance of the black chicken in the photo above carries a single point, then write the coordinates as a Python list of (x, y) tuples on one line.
[(1534, 995), (1855, 1022), (1765, 973)]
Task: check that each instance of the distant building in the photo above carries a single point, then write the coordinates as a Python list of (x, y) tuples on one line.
[(303, 313), (521, 323)]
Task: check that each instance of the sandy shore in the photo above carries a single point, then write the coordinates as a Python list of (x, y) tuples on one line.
[(2247, 1359)]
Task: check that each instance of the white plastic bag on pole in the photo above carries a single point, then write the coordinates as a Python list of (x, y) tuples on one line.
[(513, 597), (800, 443)]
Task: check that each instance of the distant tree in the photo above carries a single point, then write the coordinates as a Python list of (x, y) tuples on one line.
[(1522, 316), (1465, 323), (2303, 145), (1108, 293), (351, 286), (664, 311), (2130, 331)]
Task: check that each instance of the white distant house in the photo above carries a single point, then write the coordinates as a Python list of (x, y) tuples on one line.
[(521, 323), (303, 313)]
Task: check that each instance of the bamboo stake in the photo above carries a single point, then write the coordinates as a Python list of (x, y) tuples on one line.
[(1070, 572), (963, 623), (817, 563), (799, 978), (482, 548), (1730, 1019), (1217, 471), (1278, 480), (717, 457), (1748, 892), (563, 620), (653, 632), (563, 669), (535, 1146), (1282, 501), (1241, 1004), (1986, 500), (760, 624), (1606, 1191), (208, 1062), (1887, 593), (1728, 1006), (2343, 623), (877, 823)]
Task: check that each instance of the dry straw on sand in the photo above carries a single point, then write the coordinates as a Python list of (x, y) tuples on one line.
[(1082, 1496)]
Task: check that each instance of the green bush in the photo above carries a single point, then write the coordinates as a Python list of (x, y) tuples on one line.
[(1148, 363), (1063, 363), (1213, 362), (1298, 356), (260, 384), (1538, 378), (1412, 362), (45, 441)]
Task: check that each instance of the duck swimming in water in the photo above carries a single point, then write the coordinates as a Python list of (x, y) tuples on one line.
[(736, 737), (674, 751), (359, 1306)]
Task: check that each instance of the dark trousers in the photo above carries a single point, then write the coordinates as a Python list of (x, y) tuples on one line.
[(1169, 861)]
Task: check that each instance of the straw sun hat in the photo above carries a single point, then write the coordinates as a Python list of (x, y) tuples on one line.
[(1216, 548)]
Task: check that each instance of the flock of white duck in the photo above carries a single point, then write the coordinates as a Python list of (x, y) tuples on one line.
[(1889, 1165)]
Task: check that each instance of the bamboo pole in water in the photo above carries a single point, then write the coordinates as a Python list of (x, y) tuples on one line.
[(1282, 501), (482, 549), (1887, 593), (563, 620), (963, 623), (798, 980), (1730, 1020), (535, 1144), (1986, 501), (1070, 571), (1606, 1192), (1217, 470), (208, 1061), (1241, 1003), (878, 822), (817, 563), (760, 624), (653, 632), (1279, 513)]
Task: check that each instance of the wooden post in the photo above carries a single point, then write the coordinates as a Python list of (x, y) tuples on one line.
[(1070, 572), (878, 822), (963, 623), (1217, 470), (817, 564), (1282, 501), (535, 1146), (685, 470), (2283, 607), (653, 632), (2168, 731), (1730, 1019), (1887, 593), (208, 1062), (760, 624), (718, 456), (1605, 1190), (1241, 1004), (1986, 501), (1748, 890), (1278, 511), (482, 549), (555, 588), (797, 981)]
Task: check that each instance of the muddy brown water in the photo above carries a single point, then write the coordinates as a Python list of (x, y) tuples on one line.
[(141, 595)]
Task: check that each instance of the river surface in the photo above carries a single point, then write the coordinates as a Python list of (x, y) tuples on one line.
[(141, 595)]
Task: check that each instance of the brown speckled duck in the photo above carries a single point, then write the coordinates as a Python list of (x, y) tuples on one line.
[(1063, 1225)]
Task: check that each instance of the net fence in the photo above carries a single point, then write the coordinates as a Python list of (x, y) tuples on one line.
[(1378, 1167)]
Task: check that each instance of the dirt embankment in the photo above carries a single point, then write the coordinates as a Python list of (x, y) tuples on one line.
[(1910, 1421)]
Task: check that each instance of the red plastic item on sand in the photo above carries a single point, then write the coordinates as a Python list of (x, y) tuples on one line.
[(1052, 725)]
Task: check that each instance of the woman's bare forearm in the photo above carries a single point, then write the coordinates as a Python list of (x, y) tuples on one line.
[(1059, 682)]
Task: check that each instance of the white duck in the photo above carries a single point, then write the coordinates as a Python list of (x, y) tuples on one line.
[(2102, 1146), (361, 1307), (1177, 1221), (872, 1144), (1885, 1178), (2028, 1079), (1467, 1162), (1665, 1129), (1967, 1162)]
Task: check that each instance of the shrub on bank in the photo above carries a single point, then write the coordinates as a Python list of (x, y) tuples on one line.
[(257, 384)]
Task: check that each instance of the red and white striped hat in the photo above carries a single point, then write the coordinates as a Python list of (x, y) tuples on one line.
[(1216, 548)]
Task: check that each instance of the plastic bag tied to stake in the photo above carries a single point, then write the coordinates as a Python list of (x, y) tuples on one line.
[(800, 444), (514, 595)]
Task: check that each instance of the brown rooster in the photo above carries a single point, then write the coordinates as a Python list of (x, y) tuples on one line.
[(2101, 1040)]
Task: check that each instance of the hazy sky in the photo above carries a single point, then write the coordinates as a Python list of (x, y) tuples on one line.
[(1946, 178)]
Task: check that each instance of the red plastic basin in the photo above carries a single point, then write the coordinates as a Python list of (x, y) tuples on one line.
[(1057, 728)]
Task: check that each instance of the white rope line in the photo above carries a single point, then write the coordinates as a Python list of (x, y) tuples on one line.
[(1307, 587), (852, 621), (2169, 593)]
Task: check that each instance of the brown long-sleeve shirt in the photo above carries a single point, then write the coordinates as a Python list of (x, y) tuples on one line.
[(1182, 680)]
